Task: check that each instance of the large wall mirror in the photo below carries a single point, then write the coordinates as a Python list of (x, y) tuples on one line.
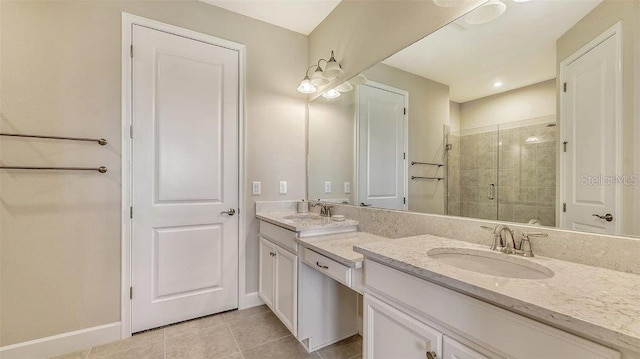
[(525, 117)]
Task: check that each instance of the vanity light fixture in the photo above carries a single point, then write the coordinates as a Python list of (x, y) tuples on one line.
[(320, 76), (345, 87), (333, 93), (306, 87), (486, 13)]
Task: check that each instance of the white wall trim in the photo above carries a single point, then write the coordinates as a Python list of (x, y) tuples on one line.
[(615, 30), (244, 300), (62, 343)]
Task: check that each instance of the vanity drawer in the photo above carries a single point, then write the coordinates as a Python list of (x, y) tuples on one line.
[(283, 237), (327, 266)]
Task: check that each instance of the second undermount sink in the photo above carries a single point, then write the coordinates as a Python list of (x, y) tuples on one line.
[(492, 263)]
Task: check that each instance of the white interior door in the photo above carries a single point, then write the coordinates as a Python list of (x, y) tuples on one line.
[(381, 147), (589, 125), (185, 175)]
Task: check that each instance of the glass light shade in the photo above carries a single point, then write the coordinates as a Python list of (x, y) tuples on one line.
[(333, 93), (333, 69), (486, 13), (317, 77), (358, 79), (344, 87), (306, 86)]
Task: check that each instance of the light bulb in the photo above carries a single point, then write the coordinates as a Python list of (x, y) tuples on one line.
[(306, 86), (333, 93)]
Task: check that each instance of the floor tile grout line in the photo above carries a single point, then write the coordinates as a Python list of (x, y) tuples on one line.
[(268, 342), (234, 338), (164, 343)]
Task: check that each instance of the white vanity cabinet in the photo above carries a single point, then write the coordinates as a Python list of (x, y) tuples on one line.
[(278, 282), (409, 316)]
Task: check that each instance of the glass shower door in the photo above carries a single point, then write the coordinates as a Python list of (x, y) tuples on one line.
[(473, 173)]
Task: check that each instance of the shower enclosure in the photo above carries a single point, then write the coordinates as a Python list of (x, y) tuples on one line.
[(505, 172)]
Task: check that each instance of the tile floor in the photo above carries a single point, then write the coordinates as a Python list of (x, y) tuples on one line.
[(254, 333)]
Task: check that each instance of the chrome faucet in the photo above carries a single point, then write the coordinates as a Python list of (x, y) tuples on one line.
[(502, 239), (325, 209)]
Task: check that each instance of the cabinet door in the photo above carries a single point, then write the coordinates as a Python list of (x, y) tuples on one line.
[(286, 288), (266, 278), (390, 333), (452, 349)]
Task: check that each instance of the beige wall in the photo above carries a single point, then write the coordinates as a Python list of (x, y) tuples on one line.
[(60, 70), (527, 102), (332, 146), (591, 26), (365, 32), (454, 116), (428, 112)]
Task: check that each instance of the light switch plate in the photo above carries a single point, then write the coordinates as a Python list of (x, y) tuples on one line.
[(256, 188), (283, 187), (327, 187), (347, 187)]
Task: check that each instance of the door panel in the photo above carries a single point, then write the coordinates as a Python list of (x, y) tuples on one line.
[(389, 333), (185, 173), (286, 292), (589, 130), (381, 163), (266, 279)]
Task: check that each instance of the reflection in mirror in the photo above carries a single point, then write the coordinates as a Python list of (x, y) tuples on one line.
[(526, 118)]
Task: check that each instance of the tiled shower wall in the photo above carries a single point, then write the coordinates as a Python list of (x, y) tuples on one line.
[(524, 174)]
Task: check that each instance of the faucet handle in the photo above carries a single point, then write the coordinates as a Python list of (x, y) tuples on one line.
[(525, 244)]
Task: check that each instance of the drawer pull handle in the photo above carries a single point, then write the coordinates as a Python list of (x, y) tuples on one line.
[(431, 355), (321, 266)]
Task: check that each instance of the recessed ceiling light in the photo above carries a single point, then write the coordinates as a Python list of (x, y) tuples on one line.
[(497, 84), (486, 13)]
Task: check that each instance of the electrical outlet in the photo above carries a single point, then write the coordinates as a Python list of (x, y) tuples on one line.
[(327, 187), (256, 188), (347, 187), (283, 187)]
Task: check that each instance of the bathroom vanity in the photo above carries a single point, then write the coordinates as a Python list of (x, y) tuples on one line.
[(416, 305), (307, 279)]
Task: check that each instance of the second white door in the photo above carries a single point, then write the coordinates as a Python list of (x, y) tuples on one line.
[(185, 178), (381, 148)]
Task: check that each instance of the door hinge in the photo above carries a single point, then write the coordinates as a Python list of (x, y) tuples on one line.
[(404, 200), (131, 131), (564, 207), (564, 87), (131, 212), (130, 292), (405, 110), (404, 155), (131, 51), (565, 145)]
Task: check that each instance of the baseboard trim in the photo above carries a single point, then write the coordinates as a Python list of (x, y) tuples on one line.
[(62, 343), (249, 300)]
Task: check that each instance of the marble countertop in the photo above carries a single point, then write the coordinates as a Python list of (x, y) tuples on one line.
[(311, 222), (339, 247), (599, 303)]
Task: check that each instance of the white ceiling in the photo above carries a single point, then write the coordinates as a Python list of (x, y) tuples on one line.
[(517, 49), (297, 15)]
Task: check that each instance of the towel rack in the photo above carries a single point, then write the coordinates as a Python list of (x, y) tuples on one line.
[(426, 163), (101, 169), (427, 178), (101, 141)]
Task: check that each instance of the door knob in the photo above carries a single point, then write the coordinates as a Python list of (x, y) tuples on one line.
[(607, 217), (230, 212), (431, 355)]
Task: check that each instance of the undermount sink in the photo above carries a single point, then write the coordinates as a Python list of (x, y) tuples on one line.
[(492, 263)]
